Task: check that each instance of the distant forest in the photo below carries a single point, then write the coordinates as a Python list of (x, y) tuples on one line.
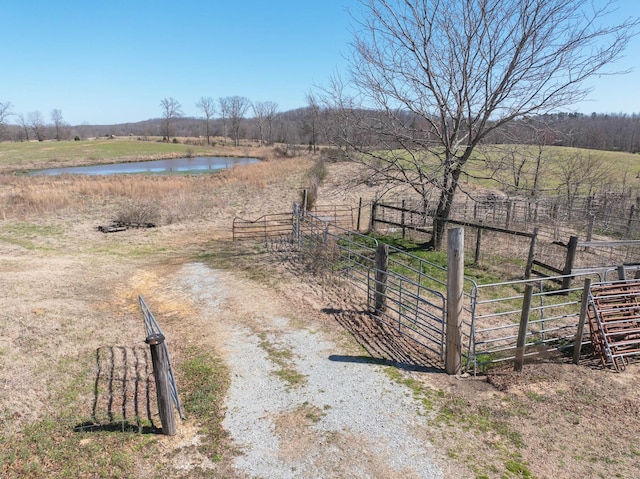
[(305, 126)]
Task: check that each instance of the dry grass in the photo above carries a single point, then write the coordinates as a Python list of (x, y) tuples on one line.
[(177, 197), (69, 290)]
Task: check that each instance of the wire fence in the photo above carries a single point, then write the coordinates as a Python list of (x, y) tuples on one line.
[(412, 305), (415, 289)]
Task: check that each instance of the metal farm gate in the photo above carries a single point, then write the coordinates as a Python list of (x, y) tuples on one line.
[(401, 290)]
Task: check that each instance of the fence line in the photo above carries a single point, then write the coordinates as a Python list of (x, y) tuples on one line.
[(415, 302), (412, 306), (494, 319)]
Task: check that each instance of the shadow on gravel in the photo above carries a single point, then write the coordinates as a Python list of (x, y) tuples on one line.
[(383, 344), (382, 362)]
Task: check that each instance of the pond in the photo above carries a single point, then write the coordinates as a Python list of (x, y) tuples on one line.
[(205, 164)]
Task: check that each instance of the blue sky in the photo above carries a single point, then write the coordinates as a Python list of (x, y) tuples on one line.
[(113, 62)]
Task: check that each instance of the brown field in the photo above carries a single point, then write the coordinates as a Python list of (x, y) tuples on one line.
[(69, 310)]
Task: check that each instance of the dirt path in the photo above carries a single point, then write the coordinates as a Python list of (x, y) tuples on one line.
[(300, 404)]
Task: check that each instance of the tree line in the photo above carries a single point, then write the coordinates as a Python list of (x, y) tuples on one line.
[(238, 118)]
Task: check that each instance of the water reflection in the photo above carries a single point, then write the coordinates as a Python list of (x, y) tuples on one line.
[(204, 164)]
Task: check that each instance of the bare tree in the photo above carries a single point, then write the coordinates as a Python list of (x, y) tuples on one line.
[(224, 105), (24, 123), (56, 119), (5, 113), (582, 174), (515, 166), (314, 109), (260, 116), (171, 110), (207, 106), (271, 110), (432, 78), (36, 124), (238, 107)]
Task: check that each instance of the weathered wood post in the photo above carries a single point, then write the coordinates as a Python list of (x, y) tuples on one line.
[(455, 283), (161, 375), (522, 330), (359, 214), (305, 198), (382, 265), (476, 256), (584, 305), (572, 247), (630, 221), (532, 253), (622, 275), (374, 205)]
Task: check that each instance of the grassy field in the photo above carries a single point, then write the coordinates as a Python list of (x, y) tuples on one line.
[(70, 293), (512, 168)]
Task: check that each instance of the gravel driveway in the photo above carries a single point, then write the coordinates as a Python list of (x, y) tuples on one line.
[(300, 404)]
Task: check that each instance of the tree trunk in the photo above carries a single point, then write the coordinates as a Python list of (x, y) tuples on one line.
[(443, 211)]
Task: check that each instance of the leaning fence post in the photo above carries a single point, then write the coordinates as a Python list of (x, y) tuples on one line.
[(522, 331), (455, 281), (577, 346), (161, 374), (532, 253), (382, 264)]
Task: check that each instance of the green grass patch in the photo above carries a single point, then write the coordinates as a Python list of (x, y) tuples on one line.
[(203, 380), (282, 358), (54, 448), (447, 411), (31, 236)]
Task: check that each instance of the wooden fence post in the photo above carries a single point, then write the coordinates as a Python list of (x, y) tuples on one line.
[(572, 247), (584, 305), (476, 256), (532, 253), (455, 291), (359, 214), (374, 205), (522, 330), (630, 220), (382, 265), (161, 375)]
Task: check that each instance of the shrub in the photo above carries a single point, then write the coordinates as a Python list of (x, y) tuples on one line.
[(138, 213)]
